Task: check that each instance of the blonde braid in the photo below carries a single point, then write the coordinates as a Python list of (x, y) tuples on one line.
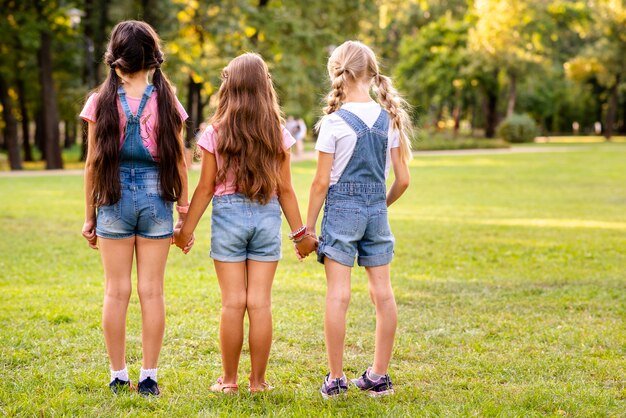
[(397, 108), (337, 95)]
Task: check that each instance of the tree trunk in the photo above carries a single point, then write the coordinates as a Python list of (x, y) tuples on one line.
[(456, 112), (10, 127), (623, 125), (193, 122), (69, 135), (39, 133), (84, 127), (510, 108), (611, 112), (21, 93), (491, 113), (49, 103)]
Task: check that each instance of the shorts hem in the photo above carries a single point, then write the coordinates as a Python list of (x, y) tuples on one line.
[(265, 258), (113, 236), (226, 259), (375, 260), (335, 255), (156, 237)]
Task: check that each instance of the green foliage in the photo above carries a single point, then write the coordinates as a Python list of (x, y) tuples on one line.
[(518, 129), (508, 274)]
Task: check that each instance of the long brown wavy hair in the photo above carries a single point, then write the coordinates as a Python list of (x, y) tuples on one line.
[(248, 123), (135, 46)]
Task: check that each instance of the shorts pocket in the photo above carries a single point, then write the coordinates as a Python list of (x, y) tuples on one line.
[(161, 211), (109, 214), (382, 223), (343, 220)]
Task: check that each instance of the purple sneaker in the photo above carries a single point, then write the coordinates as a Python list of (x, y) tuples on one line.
[(334, 387), (379, 387)]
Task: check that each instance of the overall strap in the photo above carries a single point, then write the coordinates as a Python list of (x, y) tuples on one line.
[(382, 123), (125, 107), (144, 99), (353, 121)]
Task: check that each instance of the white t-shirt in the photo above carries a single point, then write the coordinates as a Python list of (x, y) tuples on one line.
[(337, 137)]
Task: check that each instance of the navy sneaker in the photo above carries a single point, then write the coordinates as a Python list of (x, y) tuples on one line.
[(335, 387), (118, 385), (379, 387), (148, 387)]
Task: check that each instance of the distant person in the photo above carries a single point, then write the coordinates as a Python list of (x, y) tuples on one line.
[(358, 141), (135, 170), (300, 135), (291, 124), (248, 195)]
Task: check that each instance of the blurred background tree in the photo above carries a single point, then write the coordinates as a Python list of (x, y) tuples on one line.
[(463, 65)]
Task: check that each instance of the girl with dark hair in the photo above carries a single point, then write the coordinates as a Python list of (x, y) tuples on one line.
[(246, 172), (134, 171)]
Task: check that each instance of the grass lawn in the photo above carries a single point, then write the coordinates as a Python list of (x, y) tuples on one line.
[(509, 276)]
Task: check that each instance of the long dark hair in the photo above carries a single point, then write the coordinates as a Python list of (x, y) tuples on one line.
[(135, 46), (248, 120)]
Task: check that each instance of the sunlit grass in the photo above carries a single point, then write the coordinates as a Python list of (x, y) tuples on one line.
[(508, 273)]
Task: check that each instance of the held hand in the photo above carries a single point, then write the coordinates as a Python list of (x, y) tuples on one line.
[(182, 241), (89, 232), (306, 246)]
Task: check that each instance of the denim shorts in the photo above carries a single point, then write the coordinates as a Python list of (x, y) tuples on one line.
[(245, 230), (141, 210), (356, 223)]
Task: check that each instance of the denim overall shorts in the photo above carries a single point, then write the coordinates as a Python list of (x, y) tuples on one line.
[(141, 211), (355, 213)]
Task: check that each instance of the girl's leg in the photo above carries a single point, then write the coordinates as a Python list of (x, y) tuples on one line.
[(386, 316), (337, 301), (117, 259), (232, 280), (151, 259), (259, 306)]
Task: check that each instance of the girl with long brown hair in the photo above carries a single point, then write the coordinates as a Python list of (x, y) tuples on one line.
[(246, 173), (359, 140), (134, 172)]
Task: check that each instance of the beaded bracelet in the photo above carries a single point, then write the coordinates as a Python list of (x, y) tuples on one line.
[(298, 233)]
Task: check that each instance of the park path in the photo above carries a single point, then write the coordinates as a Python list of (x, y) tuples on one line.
[(310, 155)]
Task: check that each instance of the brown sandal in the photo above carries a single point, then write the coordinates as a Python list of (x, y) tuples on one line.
[(221, 387)]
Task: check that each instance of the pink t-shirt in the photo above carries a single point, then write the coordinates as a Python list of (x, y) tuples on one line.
[(148, 117), (208, 142)]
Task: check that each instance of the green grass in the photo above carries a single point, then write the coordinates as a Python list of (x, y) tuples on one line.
[(509, 277)]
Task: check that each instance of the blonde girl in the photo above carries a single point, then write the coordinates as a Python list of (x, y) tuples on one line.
[(246, 173), (359, 139)]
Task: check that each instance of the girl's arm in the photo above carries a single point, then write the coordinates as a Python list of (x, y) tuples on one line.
[(183, 199), (319, 188), (289, 205), (89, 227), (402, 177), (201, 198)]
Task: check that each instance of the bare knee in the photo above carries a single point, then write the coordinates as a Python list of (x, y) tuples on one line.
[(339, 300), (118, 292), (234, 302), (382, 298), (150, 292), (256, 303)]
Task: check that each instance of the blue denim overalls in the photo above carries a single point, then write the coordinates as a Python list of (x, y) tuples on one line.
[(141, 210), (355, 212)]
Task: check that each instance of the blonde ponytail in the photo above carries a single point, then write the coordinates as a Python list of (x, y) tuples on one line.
[(397, 108)]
